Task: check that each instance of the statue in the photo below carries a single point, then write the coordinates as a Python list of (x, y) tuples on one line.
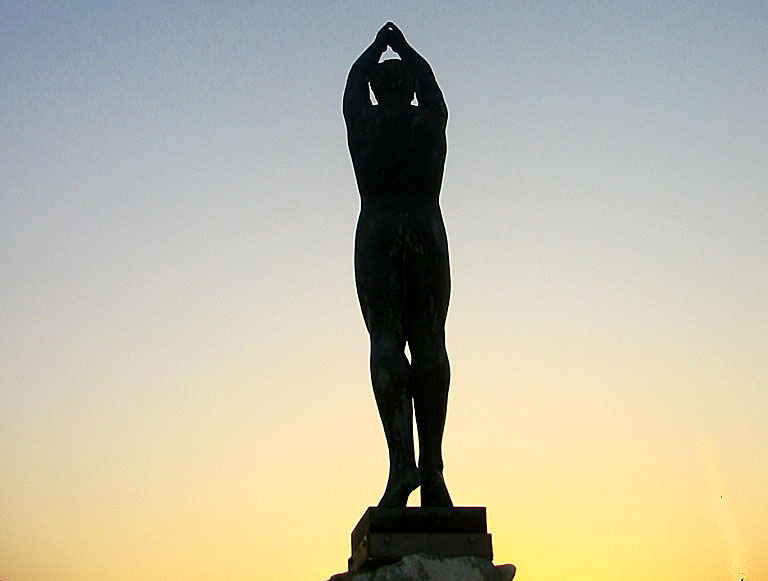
[(401, 256)]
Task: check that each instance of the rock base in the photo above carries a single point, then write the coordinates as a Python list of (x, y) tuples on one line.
[(428, 568)]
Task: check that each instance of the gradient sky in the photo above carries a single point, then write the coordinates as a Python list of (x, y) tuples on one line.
[(184, 387)]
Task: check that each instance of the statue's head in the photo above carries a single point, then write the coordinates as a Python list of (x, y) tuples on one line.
[(393, 83)]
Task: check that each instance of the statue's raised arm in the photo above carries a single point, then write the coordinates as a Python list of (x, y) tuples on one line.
[(356, 96), (428, 92)]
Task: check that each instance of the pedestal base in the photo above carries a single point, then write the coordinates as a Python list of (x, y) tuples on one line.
[(386, 535)]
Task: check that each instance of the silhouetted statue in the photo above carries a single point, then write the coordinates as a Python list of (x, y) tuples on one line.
[(401, 255)]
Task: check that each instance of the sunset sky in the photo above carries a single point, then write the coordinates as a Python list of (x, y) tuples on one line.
[(184, 388)]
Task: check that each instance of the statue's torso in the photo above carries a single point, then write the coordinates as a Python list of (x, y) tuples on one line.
[(398, 156)]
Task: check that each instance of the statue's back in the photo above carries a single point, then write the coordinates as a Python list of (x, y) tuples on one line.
[(398, 156)]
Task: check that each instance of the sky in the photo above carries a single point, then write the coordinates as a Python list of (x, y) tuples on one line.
[(184, 388)]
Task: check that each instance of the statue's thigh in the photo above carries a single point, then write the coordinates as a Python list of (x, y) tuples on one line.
[(428, 287), (379, 280)]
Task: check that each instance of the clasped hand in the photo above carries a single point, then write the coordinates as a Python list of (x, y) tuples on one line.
[(390, 35)]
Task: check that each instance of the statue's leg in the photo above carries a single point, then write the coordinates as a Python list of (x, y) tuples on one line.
[(430, 378), (429, 287), (379, 278), (389, 375)]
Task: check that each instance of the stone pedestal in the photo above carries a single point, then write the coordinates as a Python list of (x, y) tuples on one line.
[(386, 535)]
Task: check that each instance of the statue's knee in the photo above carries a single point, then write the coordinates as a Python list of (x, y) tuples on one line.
[(429, 348), (385, 345)]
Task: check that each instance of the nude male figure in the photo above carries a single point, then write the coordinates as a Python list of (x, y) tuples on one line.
[(401, 255)]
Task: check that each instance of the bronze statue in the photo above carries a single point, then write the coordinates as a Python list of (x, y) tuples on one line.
[(401, 255)]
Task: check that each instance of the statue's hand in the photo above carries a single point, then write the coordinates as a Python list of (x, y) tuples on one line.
[(396, 39), (382, 36)]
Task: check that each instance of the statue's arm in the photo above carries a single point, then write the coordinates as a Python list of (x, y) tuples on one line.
[(356, 95), (428, 92)]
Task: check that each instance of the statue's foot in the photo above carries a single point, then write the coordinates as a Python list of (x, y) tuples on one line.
[(434, 491), (399, 487)]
